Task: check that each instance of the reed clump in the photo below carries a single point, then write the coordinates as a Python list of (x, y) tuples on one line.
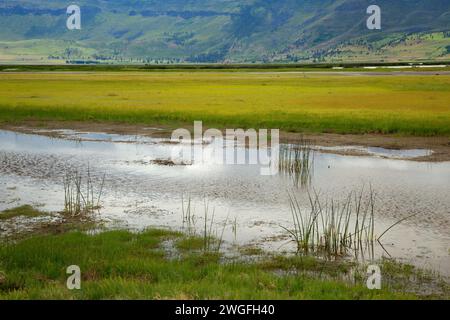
[(334, 228), (296, 161), (81, 197), (212, 237)]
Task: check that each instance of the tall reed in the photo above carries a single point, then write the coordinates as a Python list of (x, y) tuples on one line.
[(296, 161), (211, 236), (332, 227), (80, 197)]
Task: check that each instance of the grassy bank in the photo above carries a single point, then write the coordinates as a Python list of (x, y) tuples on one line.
[(22, 211), (162, 264), (122, 265), (406, 105)]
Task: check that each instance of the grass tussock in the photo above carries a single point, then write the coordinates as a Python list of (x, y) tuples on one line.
[(22, 211), (335, 228)]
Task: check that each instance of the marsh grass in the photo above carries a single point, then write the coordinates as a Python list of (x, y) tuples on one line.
[(125, 265), (22, 211), (80, 197), (188, 216), (51, 223), (212, 237), (297, 162), (334, 228)]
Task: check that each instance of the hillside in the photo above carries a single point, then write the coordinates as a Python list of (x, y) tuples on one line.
[(156, 31)]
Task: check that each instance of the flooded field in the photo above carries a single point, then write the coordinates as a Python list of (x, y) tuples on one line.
[(143, 188)]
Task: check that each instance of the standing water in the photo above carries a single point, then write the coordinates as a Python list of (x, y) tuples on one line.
[(143, 188)]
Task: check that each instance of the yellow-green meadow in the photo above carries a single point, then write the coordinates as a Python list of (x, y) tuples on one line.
[(292, 101)]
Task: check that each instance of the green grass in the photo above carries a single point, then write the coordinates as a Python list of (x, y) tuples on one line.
[(22, 211), (123, 265), (407, 105), (190, 243), (164, 264)]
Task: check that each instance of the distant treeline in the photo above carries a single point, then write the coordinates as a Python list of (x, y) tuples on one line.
[(92, 66)]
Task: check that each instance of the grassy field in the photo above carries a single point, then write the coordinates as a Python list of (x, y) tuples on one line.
[(162, 264), (300, 102)]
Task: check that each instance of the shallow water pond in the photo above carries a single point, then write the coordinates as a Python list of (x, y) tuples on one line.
[(142, 190)]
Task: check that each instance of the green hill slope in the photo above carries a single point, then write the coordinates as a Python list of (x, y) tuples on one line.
[(154, 31)]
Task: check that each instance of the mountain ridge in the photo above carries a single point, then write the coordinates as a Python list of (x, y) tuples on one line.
[(155, 31)]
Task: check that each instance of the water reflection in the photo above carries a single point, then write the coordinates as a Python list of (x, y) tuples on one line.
[(141, 191)]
